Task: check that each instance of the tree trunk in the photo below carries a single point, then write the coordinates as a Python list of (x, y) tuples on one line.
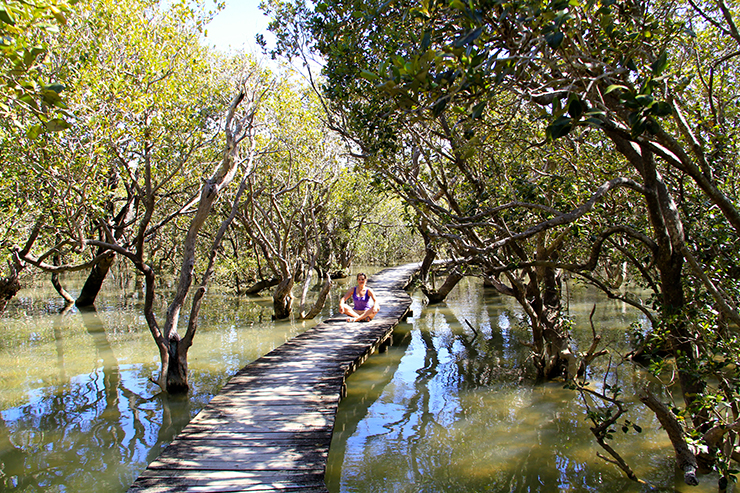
[(177, 366), (262, 285), (554, 357), (429, 255), (173, 349), (439, 295), (666, 222), (68, 299), (95, 280), (9, 287), (345, 259), (684, 457), (282, 300), (320, 301), (669, 239)]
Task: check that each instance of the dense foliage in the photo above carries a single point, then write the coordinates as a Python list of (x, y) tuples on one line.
[(166, 156), (27, 90), (537, 139)]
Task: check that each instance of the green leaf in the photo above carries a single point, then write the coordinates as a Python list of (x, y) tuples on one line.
[(661, 109), (29, 56), (595, 113), (52, 98), (575, 108), (5, 16), (616, 87), (28, 100), (426, 41), (58, 15), (559, 128), (57, 88), (56, 125), (34, 131), (630, 101), (660, 64), (478, 110), (468, 38), (439, 107), (368, 75), (638, 124), (555, 39), (644, 100), (557, 108)]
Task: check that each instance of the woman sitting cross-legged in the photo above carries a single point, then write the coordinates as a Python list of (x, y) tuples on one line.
[(366, 305)]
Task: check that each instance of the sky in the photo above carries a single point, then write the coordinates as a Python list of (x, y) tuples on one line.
[(235, 27)]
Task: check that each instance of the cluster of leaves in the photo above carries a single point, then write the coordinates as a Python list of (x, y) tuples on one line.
[(28, 87)]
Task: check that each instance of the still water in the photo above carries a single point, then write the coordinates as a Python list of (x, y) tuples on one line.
[(446, 410), (78, 412), (443, 410)]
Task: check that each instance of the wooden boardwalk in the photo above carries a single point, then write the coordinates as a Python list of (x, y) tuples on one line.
[(270, 427)]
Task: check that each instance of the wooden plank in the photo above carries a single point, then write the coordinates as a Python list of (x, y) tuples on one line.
[(235, 462), (270, 427), (306, 438), (153, 480)]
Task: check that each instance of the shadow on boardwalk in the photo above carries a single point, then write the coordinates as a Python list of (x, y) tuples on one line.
[(270, 427)]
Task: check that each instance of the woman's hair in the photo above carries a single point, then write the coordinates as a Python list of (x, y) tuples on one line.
[(361, 274)]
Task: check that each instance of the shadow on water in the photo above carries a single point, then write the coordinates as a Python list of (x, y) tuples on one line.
[(452, 408)]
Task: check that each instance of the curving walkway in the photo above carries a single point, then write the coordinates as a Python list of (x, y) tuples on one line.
[(270, 427)]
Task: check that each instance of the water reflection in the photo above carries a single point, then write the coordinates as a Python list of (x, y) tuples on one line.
[(78, 411), (451, 408), (85, 432)]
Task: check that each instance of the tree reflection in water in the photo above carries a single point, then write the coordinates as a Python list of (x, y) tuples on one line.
[(78, 436), (449, 408), (77, 409)]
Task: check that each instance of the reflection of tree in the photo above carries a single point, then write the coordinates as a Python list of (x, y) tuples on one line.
[(419, 402), (415, 419), (77, 436), (13, 457), (506, 433), (455, 417), (59, 324), (490, 358)]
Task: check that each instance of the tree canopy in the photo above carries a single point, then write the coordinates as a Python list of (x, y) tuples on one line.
[(526, 142), (28, 90), (163, 151), (536, 140)]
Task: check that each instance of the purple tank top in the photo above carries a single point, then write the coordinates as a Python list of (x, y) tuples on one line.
[(362, 303)]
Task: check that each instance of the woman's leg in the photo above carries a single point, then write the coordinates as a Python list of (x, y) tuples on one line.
[(353, 315), (368, 314)]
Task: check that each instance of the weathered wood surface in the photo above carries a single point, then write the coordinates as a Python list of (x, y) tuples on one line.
[(270, 427)]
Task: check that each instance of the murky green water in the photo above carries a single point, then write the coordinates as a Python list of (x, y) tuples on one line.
[(448, 410), (442, 410), (77, 410)]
